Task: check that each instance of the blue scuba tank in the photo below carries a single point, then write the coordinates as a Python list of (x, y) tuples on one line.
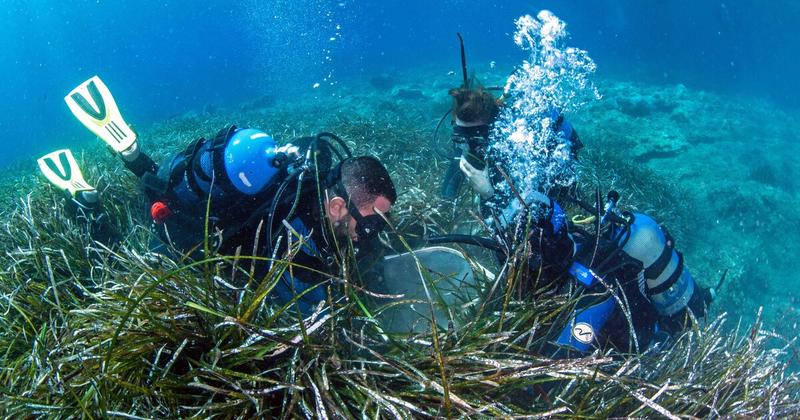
[(234, 170), (237, 163), (668, 284)]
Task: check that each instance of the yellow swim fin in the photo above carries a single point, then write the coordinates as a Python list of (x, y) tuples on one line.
[(93, 105), (61, 169)]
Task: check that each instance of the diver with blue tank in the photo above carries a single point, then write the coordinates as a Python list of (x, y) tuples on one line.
[(246, 192), (633, 287)]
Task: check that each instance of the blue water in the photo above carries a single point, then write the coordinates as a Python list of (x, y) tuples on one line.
[(164, 58)]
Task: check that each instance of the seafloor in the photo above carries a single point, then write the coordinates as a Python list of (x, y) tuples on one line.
[(731, 164), (716, 170)]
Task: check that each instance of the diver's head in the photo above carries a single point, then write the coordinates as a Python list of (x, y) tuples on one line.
[(473, 107), (359, 188), (474, 110)]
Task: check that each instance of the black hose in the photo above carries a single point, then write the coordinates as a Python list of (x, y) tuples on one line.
[(584, 205), (438, 126), (275, 201), (721, 280), (487, 243), (342, 144), (296, 197), (453, 179), (596, 226)]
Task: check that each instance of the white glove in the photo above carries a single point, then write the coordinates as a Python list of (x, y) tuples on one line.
[(478, 179)]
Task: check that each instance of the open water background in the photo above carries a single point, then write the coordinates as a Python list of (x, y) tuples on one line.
[(166, 57)]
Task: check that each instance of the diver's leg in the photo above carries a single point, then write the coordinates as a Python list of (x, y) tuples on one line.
[(138, 162), (82, 200)]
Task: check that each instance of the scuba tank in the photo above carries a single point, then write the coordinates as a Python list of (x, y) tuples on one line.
[(235, 170), (663, 288), (668, 284), (242, 173), (239, 162)]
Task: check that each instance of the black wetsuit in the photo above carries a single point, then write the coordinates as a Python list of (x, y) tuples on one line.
[(243, 220)]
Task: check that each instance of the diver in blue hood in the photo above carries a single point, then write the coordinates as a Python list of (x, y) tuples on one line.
[(247, 193)]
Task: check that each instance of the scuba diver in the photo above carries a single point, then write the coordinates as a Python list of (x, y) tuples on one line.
[(473, 112), (632, 289), (247, 193)]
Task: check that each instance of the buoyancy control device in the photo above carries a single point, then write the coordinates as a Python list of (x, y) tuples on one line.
[(234, 178), (235, 165)]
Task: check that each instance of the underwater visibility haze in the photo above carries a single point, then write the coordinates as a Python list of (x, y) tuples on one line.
[(689, 110)]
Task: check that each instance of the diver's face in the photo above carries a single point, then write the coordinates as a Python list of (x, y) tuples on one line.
[(346, 222), (367, 222)]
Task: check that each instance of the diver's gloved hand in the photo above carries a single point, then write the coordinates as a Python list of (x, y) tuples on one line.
[(478, 179)]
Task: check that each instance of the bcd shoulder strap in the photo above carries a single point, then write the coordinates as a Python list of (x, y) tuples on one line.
[(219, 176)]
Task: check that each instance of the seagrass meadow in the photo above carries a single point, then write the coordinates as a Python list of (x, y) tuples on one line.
[(90, 330)]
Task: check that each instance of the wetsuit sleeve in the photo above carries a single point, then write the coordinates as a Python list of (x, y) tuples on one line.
[(147, 171), (564, 129)]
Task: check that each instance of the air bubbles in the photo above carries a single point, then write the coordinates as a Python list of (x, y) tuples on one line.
[(553, 80)]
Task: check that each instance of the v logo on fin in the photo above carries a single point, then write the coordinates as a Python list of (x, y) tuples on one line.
[(97, 98), (95, 108), (61, 169)]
